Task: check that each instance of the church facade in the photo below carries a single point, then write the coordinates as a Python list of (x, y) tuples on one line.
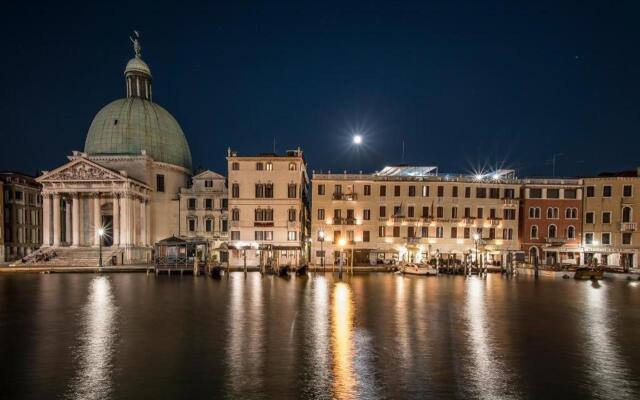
[(126, 182)]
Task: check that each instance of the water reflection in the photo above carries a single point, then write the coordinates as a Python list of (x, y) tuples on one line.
[(344, 381), (606, 368), (319, 334), (97, 339), (246, 334), (487, 370)]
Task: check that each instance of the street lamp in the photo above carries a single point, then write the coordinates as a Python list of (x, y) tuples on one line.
[(341, 243), (476, 238), (321, 240), (100, 235)]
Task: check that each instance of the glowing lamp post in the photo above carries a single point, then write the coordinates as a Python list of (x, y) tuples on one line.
[(100, 235), (321, 240), (476, 238), (341, 243)]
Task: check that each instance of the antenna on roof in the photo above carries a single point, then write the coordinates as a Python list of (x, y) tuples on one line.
[(274, 145)]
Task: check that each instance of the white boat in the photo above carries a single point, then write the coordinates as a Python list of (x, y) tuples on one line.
[(416, 269)]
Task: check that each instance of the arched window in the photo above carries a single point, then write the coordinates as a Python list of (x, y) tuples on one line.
[(292, 166), (574, 213), (235, 214), (259, 166), (571, 232), (626, 214), (208, 224), (550, 212), (534, 232), (567, 213), (553, 231), (235, 166), (269, 166)]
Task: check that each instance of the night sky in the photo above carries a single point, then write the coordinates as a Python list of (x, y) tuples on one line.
[(465, 85)]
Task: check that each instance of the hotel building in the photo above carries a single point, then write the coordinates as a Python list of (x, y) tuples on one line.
[(551, 220), (268, 209), (413, 214), (610, 215)]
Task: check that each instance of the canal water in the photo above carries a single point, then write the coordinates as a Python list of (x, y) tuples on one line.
[(376, 336)]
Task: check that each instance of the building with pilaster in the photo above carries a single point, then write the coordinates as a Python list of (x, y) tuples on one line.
[(203, 212), (414, 214), (268, 209), (126, 181), (21, 215)]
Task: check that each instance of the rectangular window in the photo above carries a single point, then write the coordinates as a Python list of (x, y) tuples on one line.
[(292, 235), (454, 232), (494, 193), (191, 204), (397, 211), (320, 214), (588, 238), (382, 231), (570, 194), (235, 166), (160, 183), (467, 192), (439, 212), (235, 235), (292, 191), (208, 183), (480, 213), (235, 214), (235, 191), (410, 212), (337, 189), (606, 191), (509, 214), (589, 217), (208, 204), (396, 231), (606, 217), (292, 215), (492, 233), (627, 191), (626, 238), (454, 212), (425, 191), (481, 193), (259, 190), (268, 190), (396, 190), (553, 193), (591, 191), (467, 233), (606, 238), (350, 214), (492, 213), (208, 225), (411, 231), (412, 191), (467, 212), (425, 232), (509, 193), (454, 191), (439, 232), (425, 212), (367, 190), (366, 214), (440, 191), (321, 189), (383, 191), (383, 212), (192, 225), (365, 236), (259, 166), (535, 193)]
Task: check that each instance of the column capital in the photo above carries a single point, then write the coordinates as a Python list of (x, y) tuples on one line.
[(95, 195)]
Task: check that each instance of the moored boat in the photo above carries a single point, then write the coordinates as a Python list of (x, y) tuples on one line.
[(417, 269), (586, 273)]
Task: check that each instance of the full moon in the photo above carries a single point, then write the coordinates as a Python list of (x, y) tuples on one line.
[(357, 139)]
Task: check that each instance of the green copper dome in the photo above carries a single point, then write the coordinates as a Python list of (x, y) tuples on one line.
[(128, 126)]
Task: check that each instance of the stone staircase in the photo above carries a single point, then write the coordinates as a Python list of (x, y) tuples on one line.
[(71, 257)]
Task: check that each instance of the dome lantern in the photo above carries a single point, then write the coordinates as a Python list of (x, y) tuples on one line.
[(137, 73)]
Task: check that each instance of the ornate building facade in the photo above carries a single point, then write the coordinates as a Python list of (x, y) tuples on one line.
[(20, 216), (126, 181)]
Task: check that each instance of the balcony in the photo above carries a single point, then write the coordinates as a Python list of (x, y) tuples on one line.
[(468, 220), (557, 241), (263, 224), (628, 226), (413, 240), (508, 202), (344, 221), (345, 196), (383, 219), (494, 221)]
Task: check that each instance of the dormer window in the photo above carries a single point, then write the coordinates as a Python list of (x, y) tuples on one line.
[(269, 166), (208, 183)]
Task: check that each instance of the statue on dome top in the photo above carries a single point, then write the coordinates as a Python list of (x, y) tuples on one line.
[(137, 48)]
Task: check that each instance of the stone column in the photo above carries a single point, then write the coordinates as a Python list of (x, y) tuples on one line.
[(143, 222), (67, 221), (46, 219), (75, 220), (56, 219), (124, 220), (135, 224), (97, 219), (147, 222), (116, 219)]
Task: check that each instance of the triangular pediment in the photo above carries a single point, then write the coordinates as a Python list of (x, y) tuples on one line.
[(208, 174), (81, 170)]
